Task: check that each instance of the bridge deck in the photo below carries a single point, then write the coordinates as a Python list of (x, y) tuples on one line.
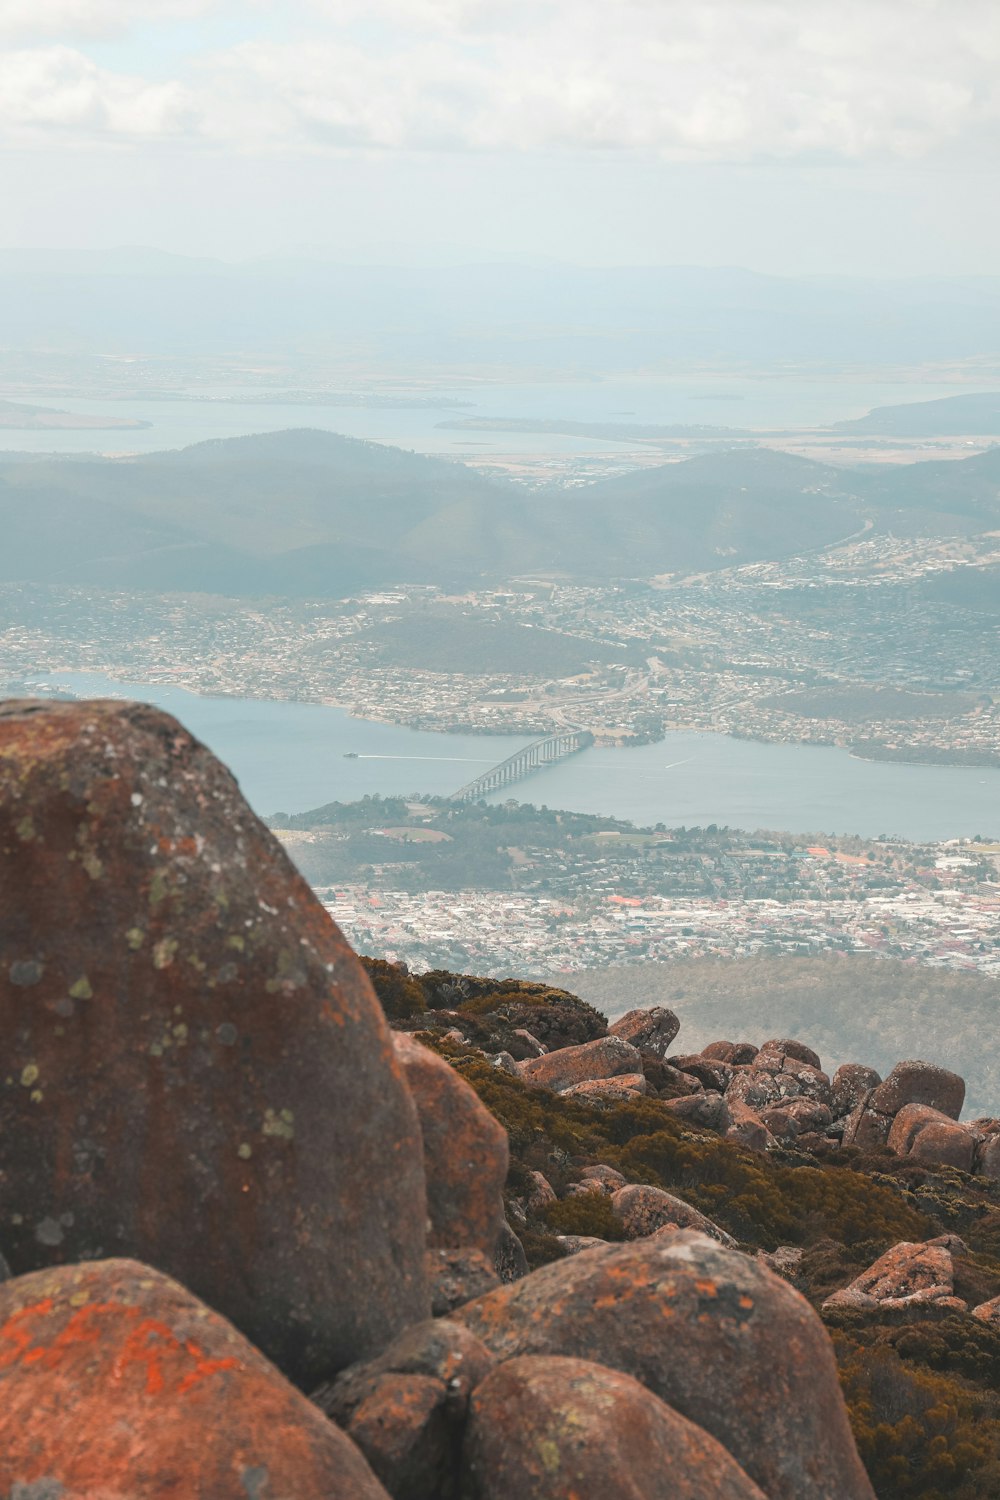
[(543, 752)]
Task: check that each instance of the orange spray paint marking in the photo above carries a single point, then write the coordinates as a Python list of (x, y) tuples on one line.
[(204, 1368), (16, 1333), (160, 1359), (140, 1349), (79, 1332), (168, 1364)]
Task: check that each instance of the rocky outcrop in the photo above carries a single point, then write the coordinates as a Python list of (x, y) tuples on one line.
[(190, 1040), (216, 1086), (907, 1274), (116, 1381), (651, 1030), (610, 1090), (549, 1428), (988, 1312), (919, 1083), (928, 1135), (644, 1210), (729, 1316), (607, 1057), (851, 1085), (915, 1113), (465, 1152)]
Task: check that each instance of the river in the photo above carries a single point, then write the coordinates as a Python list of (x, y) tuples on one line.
[(290, 757)]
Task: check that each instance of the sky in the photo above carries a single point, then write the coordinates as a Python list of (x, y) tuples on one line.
[(791, 136)]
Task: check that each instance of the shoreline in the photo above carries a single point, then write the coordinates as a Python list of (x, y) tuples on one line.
[(853, 753)]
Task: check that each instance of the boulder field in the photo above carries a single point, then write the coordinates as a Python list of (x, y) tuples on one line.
[(261, 1245)]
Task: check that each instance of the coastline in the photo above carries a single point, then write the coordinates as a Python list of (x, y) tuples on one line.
[(872, 754)]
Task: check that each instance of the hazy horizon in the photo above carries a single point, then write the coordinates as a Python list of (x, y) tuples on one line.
[(793, 139)]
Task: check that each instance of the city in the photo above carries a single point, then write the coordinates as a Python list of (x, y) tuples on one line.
[(868, 645)]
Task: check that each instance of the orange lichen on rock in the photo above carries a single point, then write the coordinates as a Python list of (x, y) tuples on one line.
[(608, 1305), (114, 1381)]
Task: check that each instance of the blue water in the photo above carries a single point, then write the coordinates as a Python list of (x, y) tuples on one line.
[(289, 757), (712, 400)]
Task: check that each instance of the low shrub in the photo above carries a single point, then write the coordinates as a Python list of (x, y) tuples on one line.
[(585, 1213)]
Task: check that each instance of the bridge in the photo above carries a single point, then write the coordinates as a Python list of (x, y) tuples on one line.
[(543, 752)]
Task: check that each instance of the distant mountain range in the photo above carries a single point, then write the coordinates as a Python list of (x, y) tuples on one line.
[(308, 513)]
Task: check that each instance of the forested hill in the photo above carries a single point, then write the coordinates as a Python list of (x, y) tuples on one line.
[(309, 513)]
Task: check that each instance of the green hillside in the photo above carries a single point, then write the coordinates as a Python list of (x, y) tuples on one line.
[(308, 513)]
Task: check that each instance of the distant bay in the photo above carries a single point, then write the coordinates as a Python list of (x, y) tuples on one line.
[(290, 757), (791, 401)]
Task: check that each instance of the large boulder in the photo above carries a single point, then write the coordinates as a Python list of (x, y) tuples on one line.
[(870, 1121), (651, 1030), (200, 1076), (115, 1382), (916, 1082), (607, 1092), (644, 1209), (946, 1144), (907, 1274), (927, 1135), (544, 1428), (607, 1057), (715, 1335), (465, 1151), (786, 1048)]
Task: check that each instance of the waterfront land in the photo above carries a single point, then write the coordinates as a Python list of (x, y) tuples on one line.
[(20, 417), (882, 644), (519, 889)]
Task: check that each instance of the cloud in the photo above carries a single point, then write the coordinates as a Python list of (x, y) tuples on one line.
[(723, 79), (718, 80), (58, 91)]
